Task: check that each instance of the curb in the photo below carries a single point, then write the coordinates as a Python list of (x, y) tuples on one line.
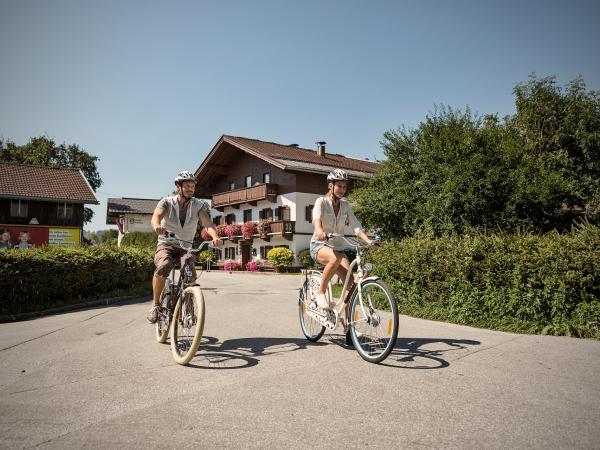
[(7, 318)]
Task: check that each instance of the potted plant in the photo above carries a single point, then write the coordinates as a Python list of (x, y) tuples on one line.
[(248, 229), (264, 226), (233, 232), (221, 231), (231, 265), (252, 266), (205, 236)]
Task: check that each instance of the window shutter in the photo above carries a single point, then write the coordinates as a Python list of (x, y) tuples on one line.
[(286, 213)]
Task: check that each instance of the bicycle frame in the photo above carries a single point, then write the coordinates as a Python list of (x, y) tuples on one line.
[(361, 276)]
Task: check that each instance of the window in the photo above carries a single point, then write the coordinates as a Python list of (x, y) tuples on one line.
[(231, 185), (282, 213), (266, 213), (64, 211), (266, 177), (230, 253), (18, 208), (264, 251), (247, 215), (217, 220), (229, 219), (248, 181), (308, 213)]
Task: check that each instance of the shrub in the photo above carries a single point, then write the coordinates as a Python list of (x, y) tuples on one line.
[(140, 239), (42, 277), (204, 256), (305, 258), (280, 258), (523, 282)]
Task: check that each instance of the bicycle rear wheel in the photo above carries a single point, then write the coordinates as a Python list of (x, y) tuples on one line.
[(310, 327), (187, 325), (374, 322)]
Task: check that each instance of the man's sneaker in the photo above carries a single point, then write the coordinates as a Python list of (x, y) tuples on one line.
[(153, 314), (322, 301)]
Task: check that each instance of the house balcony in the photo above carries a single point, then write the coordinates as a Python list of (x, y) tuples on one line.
[(278, 228), (251, 195)]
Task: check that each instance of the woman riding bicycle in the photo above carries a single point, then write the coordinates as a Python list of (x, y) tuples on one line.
[(331, 214)]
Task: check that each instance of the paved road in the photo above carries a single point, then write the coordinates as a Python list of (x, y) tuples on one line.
[(96, 379)]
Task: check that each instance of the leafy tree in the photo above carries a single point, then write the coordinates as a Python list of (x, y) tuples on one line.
[(43, 151), (456, 170)]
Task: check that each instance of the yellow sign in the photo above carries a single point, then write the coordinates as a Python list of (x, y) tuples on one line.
[(64, 236)]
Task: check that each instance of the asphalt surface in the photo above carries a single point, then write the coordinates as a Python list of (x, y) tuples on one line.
[(96, 378)]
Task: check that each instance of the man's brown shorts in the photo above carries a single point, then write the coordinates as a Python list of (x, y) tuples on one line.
[(166, 254)]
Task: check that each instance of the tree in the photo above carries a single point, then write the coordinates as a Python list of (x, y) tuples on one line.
[(456, 170), (43, 151)]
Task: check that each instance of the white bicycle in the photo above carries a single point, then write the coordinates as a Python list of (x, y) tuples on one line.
[(369, 317)]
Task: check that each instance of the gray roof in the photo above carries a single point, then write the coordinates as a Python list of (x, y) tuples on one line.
[(119, 206)]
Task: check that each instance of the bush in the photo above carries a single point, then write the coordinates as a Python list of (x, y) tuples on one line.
[(280, 258), (253, 266), (38, 278), (305, 258), (523, 282), (139, 239), (204, 256)]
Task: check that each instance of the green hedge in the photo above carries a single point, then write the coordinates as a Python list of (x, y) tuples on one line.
[(525, 282), (37, 278), (140, 239)]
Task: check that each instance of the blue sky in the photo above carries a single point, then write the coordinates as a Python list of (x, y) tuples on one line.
[(150, 86)]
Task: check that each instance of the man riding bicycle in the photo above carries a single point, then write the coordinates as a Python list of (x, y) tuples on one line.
[(177, 214)]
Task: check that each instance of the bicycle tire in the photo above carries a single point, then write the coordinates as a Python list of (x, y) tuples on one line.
[(366, 340), (312, 330), (162, 324), (185, 345)]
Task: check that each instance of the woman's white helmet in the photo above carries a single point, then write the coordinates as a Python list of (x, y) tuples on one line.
[(184, 175), (337, 175)]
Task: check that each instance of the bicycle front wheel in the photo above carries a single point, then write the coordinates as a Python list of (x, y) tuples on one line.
[(162, 324), (310, 327), (187, 325), (373, 321)]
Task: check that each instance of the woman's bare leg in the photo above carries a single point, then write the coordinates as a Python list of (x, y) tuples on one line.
[(327, 257)]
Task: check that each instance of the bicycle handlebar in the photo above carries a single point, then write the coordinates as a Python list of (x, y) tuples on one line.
[(376, 241), (173, 238)]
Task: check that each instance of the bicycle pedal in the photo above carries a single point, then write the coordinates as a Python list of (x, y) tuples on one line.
[(323, 317)]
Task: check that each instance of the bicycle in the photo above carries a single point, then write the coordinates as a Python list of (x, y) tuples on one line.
[(370, 319), (182, 308)]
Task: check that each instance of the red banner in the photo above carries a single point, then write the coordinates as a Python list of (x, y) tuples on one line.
[(16, 236)]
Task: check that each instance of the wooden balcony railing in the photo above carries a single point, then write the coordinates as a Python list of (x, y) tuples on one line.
[(264, 191), (283, 227)]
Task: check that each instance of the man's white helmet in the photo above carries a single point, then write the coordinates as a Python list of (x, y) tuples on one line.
[(337, 175), (184, 175)]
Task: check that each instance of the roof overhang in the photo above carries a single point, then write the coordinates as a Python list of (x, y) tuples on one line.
[(46, 199)]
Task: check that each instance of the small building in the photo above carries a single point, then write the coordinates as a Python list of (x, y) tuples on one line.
[(42, 205), (248, 180), (130, 214)]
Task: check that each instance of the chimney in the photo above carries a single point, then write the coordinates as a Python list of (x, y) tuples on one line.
[(321, 148)]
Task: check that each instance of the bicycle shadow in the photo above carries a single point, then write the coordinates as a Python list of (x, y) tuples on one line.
[(243, 353), (419, 353)]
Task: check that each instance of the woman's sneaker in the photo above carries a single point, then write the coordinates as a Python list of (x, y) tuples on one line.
[(321, 300)]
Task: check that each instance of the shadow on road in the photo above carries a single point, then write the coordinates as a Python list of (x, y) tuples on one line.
[(243, 353), (424, 353)]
